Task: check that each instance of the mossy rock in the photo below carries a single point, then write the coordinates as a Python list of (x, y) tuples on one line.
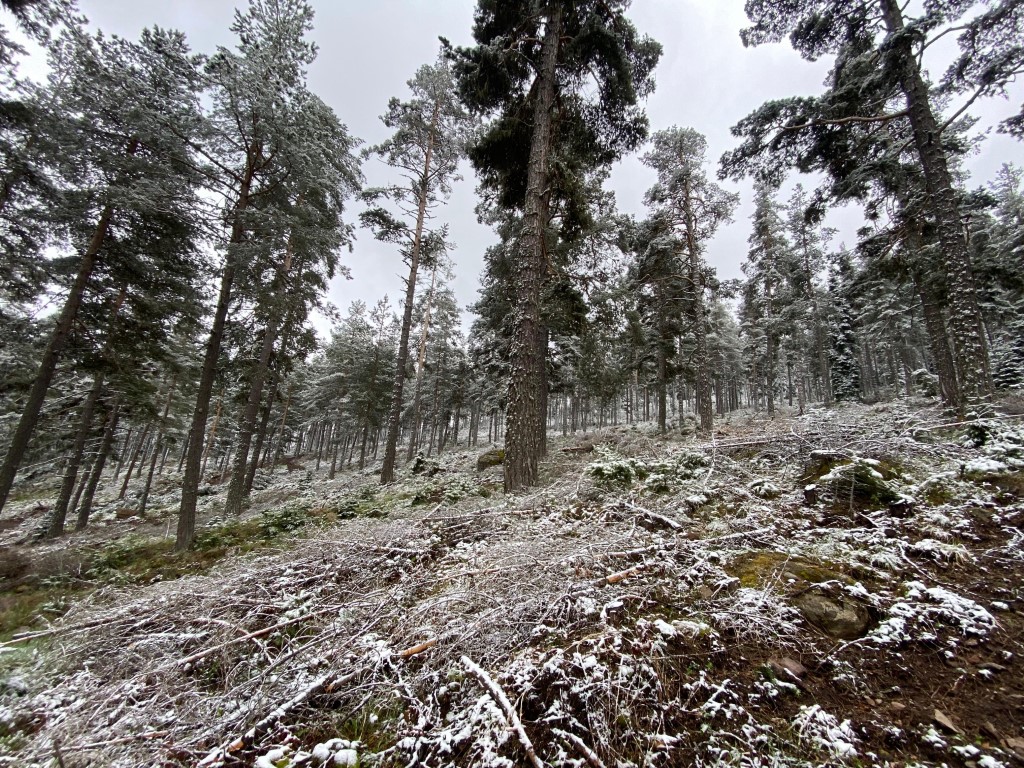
[(864, 483), (758, 569), (490, 459), (803, 580), (837, 617)]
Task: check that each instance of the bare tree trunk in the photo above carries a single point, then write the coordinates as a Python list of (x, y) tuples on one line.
[(97, 468), (157, 448), (261, 431), (698, 316), (190, 481), (275, 456), (139, 446), (969, 350), (414, 433), (247, 424), (522, 441), (55, 525)]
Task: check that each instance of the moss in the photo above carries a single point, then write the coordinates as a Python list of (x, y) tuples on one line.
[(759, 569), (22, 608), (490, 459)]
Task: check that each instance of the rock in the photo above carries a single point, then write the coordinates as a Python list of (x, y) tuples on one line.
[(990, 730), (835, 617), (490, 459), (1016, 745), (942, 719), (786, 668), (897, 706)]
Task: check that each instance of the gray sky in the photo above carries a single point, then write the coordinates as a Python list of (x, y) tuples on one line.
[(706, 79)]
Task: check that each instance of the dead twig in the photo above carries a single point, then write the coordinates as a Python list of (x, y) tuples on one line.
[(426, 645), (118, 742), (252, 635), (654, 516), (502, 701), (325, 684), (581, 746)]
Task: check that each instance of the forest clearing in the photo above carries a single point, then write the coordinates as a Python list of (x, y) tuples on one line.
[(582, 399)]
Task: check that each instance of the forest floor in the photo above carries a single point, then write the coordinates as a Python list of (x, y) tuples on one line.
[(840, 588)]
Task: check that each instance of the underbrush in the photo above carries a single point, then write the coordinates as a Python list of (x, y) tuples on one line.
[(137, 560), (668, 603)]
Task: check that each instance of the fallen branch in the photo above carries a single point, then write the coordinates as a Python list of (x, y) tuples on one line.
[(426, 645), (118, 742), (655, 517), (251, 636), (581, 747), (502, 701), (615, 578), (325, 684)]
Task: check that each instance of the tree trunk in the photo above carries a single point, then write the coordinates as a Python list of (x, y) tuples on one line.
[(247, 425), (278, 451), (698, 316), (139, 447), (55, 526), (261, 431), (969, 351), (157, 448), (190, 481), (51, 356), (54, 348), (522, 439), (387, 473), (97, 468), (421, 362)]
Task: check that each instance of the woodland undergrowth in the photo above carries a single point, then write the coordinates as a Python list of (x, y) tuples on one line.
[(838, 588)]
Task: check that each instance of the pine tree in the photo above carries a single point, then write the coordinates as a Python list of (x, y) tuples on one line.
[(806, 264), (765, 292), (431, 131), (692, 207), (268, 138), (844, 368), (121, 168), (882, 54), (528, 68)]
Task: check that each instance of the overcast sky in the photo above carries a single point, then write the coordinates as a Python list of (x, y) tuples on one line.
[(370, 48)]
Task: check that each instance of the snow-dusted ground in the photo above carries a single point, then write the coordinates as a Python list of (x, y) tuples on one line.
[(657, 602)]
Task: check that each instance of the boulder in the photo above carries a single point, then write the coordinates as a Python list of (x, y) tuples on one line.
[(836, 617), (490, 459), (807, 586)]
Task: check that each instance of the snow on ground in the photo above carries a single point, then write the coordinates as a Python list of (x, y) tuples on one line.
[(657, 602)]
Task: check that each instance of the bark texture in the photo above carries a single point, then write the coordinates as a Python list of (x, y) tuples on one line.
[(523, 443), (969, 350)]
